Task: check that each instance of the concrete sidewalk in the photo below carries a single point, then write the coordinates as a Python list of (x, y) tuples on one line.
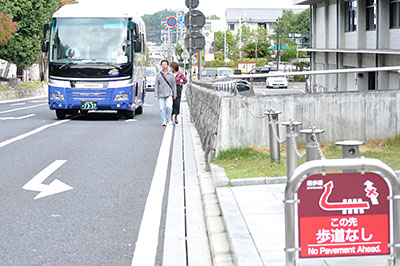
[(254, 218)]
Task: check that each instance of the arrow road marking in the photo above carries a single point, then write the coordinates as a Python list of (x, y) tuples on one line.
[(36, 183), (16, 118)]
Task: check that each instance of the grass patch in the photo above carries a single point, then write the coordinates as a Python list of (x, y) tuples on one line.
[(31, 85), (256, 162)]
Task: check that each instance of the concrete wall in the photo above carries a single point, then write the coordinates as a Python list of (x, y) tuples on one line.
[(225, 121), (15, 94)]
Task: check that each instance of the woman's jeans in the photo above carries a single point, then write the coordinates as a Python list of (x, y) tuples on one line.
[(165, 104)]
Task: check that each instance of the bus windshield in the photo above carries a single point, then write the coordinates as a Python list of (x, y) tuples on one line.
[(90, 40)]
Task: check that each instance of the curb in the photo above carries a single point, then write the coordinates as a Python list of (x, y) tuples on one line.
[(221, 180)]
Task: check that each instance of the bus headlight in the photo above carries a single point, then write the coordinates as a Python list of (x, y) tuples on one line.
[(57, 96), (121, 97)]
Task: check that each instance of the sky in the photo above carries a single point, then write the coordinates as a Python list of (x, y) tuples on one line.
[(208, 7)]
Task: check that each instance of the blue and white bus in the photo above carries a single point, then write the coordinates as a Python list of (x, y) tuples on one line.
[(96, 60)]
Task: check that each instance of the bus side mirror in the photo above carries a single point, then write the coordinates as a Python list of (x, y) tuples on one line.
[(45, 43), (137, 43), (45, 46)]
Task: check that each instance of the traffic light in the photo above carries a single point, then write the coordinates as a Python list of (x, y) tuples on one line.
[(231, 54)]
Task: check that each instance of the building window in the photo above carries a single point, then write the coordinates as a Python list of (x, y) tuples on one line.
[(350, 16), (264, 25), (394, 14), (231, 27), (371, 14)]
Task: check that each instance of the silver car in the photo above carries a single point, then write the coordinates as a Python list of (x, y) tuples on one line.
[(151, 73)]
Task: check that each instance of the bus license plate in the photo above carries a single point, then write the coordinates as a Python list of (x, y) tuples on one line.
[(88, 105)]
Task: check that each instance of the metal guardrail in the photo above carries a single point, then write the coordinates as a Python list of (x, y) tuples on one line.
[(235, 87)]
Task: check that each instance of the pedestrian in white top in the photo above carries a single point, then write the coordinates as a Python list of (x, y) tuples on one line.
[(164, 91)]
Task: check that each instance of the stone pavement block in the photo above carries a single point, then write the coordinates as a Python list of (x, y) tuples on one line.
[(220, 244), (212, 210), (223, 260), (215, 224), (210, 198)]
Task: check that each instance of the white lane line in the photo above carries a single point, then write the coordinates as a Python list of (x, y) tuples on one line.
[(56, 186), (39, 101), (30, 133), (22, 108), (130, 120), (15, 104), (16, 118), (147, 242)]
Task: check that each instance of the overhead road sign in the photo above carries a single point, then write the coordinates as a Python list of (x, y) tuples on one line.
[(198, 42), (192, 3), (171, 22), (195, 20)]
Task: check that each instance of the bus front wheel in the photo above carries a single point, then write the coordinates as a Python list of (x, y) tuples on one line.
[(60, 114)]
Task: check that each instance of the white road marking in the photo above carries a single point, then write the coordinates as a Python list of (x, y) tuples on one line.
[(35, 184), (147, 242), (14, 104), (30, 133), (39, 101), (22, 108), (16, 118), (130, 120), (149, 105)]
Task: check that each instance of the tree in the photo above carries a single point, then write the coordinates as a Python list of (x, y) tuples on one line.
[(24, 48), (250, 50), (66, 2), (153, 24), (290, 22), (7, 28), (219, 41)]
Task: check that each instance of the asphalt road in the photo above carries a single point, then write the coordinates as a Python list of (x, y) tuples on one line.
[(106, 167)]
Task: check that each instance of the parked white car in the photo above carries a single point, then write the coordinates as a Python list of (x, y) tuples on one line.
[(151, 73), (277, 82)]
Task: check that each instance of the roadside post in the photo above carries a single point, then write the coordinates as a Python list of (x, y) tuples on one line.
[(274, 147), (350, 149), (313, 150), (342, 214), (292, 153)]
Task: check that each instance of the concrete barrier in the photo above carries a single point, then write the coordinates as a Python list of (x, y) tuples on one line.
[(15, 94), (225, 121)]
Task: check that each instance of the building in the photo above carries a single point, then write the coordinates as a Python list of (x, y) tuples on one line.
[(254, 18), (354, 34)]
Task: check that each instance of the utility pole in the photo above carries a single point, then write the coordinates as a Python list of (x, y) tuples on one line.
[(256, 45), (277, 45), (240, 38)]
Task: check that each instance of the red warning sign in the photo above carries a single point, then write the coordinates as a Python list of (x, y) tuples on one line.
[(344, 215)]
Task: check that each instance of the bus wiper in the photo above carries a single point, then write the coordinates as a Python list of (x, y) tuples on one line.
[(67, 64), (106, 63), (71, 63)]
